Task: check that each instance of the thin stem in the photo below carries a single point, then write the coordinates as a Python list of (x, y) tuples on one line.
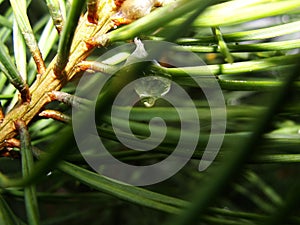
[(236, 68), (233, 162), (27, 168), (144, 24), (24, 25), (56, 115), (12, 73), (55, 10), (239, 11), (67, 35), (222, 45), (249, 35), (20, 51), (68, 99), (271, 46)]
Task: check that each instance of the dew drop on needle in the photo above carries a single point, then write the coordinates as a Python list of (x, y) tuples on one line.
[(151, 88)]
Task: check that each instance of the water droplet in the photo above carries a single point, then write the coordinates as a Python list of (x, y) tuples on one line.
[(151, 88), (49, 174), (148, 101)]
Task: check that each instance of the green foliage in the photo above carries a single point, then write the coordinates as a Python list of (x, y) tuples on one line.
[(251, 47)]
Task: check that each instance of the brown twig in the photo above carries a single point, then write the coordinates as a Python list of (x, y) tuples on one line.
[(56, 115), (92, 8), (1, 114), (48, 82)]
